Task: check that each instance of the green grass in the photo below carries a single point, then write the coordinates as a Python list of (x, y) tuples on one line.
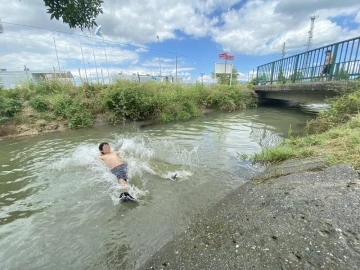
[(338, 143), (334, 135), (79, 106)]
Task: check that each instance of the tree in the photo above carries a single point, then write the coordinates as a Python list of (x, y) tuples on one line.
[(343, 74), (75, 13), (225, 78), (281, 77), (299, 76)]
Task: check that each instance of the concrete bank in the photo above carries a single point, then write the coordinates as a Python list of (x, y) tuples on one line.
[(298, 215)]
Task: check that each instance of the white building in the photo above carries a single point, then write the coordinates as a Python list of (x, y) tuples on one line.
[(11, 79)]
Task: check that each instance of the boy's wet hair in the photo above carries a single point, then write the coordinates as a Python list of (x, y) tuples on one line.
[(328, 51), (101, 146)]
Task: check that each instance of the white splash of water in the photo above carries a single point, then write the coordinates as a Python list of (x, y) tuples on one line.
[(83, 155), (177, 175), (138, 152)]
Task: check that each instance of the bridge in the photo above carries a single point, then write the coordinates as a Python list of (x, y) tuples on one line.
[(312, 76)]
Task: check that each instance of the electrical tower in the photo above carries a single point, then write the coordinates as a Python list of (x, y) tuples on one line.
[(1, 27), (202, 77), (283, 50), (311, 32)]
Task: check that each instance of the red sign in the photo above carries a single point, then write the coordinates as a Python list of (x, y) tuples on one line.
[(223, 55), (229, 57)]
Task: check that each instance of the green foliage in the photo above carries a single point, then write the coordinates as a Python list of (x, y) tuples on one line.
[(130, 99), (45, 87), (229, 98), (74, 109), (80, 118), (10, 103), (298, 77), (91, 90), (39, 103), (336, 138), (274, 155), (343, 74), (60, 104), (169, 102), (224, 79), (252, 82), (342, 109), (75, 13), (164, 102), (176, 112), (281, 77)]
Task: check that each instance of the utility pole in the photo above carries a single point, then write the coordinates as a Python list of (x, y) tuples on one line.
[(283, 50), (82, 53), (92, 45), (176, 69), (107, 66), (56, 54), (159, 56), (202, 78)]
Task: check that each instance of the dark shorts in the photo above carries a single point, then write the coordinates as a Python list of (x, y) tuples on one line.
[(326, 69), (120, 171)]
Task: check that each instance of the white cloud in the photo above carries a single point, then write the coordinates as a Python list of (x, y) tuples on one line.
[(141, 22), (357, 18), (261, 27), (254, 27)]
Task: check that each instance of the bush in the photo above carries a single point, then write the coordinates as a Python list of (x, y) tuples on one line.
[(39, 103), (228, 98), (130, 99), (169, 102), (10, 103), (45, 87), (73, 109), (123, 100), (80, 118), (60, 104), (342, 109)]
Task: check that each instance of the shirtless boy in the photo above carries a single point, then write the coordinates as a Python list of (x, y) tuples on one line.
[(116, 165), (327, 65)]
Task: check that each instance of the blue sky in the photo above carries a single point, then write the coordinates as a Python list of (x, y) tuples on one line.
[(197, 31)]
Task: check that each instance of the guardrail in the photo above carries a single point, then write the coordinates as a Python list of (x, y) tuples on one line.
[(315, 65)]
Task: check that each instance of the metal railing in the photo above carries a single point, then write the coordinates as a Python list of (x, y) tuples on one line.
[(310, 66)]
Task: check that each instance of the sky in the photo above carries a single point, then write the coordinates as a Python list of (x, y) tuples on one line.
[(192, 33)]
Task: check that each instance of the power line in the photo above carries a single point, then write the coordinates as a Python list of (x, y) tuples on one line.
[(110, 41)]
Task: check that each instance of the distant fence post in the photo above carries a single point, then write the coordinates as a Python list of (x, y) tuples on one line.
[(257, 75), (295, 69), (332, 66), (272, 72)]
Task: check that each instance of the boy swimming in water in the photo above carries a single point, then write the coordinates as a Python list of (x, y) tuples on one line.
[(117, 167)]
